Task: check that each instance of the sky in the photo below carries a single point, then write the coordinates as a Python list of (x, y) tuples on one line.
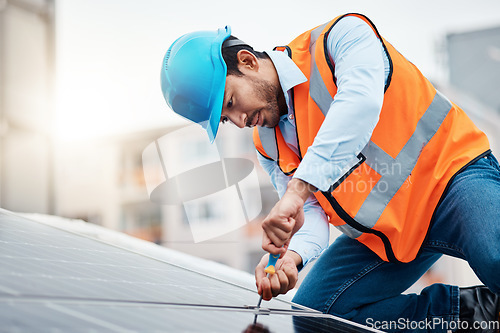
[(109, 52)]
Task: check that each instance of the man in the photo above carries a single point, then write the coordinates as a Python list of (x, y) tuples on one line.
[(354, 135)]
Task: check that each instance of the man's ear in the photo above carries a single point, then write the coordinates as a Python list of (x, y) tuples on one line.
[(247, 61)]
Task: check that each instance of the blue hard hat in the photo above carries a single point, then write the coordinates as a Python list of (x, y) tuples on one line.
[(193, 77)]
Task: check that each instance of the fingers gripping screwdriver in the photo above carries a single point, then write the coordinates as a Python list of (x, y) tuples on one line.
[(270, 270)]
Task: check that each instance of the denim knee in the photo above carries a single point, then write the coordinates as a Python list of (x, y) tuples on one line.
[(342, 309), (305, 298)]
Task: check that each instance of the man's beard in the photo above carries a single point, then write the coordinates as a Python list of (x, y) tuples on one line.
[(275, 102)]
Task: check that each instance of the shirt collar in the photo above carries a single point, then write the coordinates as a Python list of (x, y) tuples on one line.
[(288, 72)]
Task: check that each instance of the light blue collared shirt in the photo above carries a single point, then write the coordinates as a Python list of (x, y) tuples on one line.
[(361, 70)]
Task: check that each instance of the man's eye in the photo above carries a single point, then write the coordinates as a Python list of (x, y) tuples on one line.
[(230, 103)]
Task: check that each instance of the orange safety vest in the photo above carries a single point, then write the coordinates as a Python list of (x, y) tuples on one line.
[(421, 141)]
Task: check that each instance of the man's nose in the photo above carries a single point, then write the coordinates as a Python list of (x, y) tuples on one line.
[(240, 120)]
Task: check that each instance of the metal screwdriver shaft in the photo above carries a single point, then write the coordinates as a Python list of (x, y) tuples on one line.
[(260, 299)]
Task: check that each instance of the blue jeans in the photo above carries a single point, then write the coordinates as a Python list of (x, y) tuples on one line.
[(350, 281)]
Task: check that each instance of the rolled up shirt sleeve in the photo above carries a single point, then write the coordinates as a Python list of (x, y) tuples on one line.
[(313, 236), (360, 74)]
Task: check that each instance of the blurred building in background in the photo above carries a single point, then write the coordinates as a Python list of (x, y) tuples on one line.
[(474, 78), (474, 65), (27, 54), (102, 180)]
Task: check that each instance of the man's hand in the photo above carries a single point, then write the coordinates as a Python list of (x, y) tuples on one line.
[(286, 217), (282, 281)]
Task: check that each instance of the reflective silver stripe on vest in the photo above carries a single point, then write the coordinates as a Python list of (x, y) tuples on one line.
[(396, 171), (314, 36), (318, 91), (268, 140), (349, 231), (317, 88)]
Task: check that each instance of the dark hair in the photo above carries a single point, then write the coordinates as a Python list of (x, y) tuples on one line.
[(230, 51)]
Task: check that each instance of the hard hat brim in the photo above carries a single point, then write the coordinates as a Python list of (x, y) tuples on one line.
[(219, 83)]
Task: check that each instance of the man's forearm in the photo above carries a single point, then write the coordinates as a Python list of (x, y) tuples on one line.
[(295, 256), (301, 188)]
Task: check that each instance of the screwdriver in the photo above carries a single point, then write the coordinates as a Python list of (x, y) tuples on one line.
[(270, 270)]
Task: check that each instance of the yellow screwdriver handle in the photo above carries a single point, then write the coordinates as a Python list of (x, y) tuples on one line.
[(271, 264)]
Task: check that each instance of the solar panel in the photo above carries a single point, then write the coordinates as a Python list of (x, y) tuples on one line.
[(61, 281)]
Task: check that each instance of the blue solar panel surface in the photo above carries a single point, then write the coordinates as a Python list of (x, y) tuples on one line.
[(57, 281)]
